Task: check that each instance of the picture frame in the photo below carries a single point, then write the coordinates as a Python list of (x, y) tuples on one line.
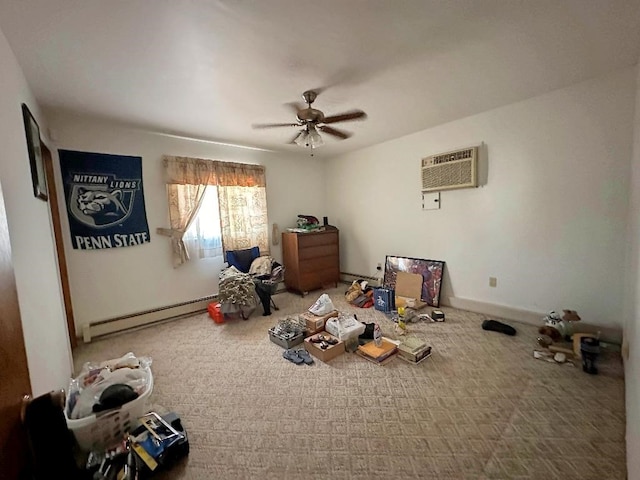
[(34, 146), (431, 271)]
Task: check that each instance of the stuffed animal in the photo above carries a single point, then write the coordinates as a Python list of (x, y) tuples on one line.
[(354, 291), (559, 328), (550, 332)]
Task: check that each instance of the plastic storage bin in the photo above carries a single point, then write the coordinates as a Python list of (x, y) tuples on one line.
[(96, 432), (215, 312), (286, 339)]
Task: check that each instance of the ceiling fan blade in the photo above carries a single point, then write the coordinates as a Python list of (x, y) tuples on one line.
[(342, 117), (335, 132), (271, 125), (296, 106)]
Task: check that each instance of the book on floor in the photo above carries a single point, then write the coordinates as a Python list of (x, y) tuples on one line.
[(378, 361), (378, 353)]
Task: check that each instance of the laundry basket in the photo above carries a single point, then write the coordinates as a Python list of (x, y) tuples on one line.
[(99, 431)]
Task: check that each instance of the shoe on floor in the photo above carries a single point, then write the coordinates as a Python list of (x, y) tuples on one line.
[(497, 326), (304, 355), (292, 356)]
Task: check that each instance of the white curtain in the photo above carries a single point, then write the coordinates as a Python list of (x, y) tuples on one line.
[(203, 236)]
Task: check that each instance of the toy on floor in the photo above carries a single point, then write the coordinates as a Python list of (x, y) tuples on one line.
[(559, 327)]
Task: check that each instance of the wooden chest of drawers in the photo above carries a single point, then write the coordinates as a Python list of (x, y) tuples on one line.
[(311, 260)]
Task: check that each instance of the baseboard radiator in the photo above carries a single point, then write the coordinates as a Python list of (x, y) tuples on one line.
[(348, 278), (148, 317)]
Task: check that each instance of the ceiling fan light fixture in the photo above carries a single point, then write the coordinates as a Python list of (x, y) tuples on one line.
[(311, 120), (301, 139), (314, 138), (309, 137)]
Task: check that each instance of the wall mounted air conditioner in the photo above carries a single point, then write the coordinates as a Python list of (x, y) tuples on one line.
[(449, 170)]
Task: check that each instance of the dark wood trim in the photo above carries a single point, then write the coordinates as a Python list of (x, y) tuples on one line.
[(13, 362), (57, 232)]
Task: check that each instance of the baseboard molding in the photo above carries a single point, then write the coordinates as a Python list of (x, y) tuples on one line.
[(494, 310), (140, 319), (607, 334)]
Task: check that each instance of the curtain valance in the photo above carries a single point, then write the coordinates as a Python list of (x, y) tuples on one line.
[(200, 171)]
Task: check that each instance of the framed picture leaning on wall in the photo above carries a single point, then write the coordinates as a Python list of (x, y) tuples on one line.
[(431, 271), (32, 131)]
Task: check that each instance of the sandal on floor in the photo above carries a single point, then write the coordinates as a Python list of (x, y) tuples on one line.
[(304, 355), (292, 356), (320, 338)]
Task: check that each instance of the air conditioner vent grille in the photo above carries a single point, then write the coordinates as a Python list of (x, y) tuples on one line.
[(450, 170)]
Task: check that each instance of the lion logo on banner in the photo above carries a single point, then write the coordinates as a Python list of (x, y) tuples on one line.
[(100, 208)]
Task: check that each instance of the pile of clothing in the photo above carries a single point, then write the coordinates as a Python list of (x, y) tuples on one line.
[(236, 292), (360, 294), (266, 274), (237, 289)]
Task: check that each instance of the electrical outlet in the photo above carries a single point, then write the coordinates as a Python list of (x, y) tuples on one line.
[(493, 281)]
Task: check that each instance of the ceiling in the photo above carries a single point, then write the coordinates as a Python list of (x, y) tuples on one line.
[(209, 69)]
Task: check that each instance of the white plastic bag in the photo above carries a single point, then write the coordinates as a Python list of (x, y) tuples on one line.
[(344, 327), (322, 306)]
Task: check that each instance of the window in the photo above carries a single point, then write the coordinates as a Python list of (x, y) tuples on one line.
[(214, 207), (204, 236)]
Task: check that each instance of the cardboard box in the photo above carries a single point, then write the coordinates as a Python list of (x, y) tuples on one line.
[(409, 290), (331, 352), (287, 340), (315, 323)]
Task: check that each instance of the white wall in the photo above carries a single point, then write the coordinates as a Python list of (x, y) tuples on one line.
[(113, 282), (549, 223), (632, 312), (34, 260)]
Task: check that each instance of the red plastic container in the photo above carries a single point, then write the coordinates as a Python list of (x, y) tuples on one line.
[(215, 313)]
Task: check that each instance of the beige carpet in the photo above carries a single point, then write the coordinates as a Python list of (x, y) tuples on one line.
[(480, 407)]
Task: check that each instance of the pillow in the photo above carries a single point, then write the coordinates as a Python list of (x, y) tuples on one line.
[(242, 259)]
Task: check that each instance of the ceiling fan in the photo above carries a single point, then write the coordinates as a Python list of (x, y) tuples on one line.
[(311, 120)]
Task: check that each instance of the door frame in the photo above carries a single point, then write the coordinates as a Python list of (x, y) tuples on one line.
[(57, 233), (16, 382)]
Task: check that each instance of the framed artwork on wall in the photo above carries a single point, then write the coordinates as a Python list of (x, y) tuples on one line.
[(32, 131), (431, 271)]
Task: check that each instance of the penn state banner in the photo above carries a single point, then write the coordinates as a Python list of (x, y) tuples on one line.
[(105, 200)]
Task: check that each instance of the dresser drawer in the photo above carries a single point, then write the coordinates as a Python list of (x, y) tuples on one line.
[(314, 239), (320, 263), (307, 253), (319, 278)]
